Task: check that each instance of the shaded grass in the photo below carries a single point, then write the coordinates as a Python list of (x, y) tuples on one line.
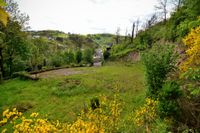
[(62, 98)]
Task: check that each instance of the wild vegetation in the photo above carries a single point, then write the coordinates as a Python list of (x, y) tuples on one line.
[(158, 92)]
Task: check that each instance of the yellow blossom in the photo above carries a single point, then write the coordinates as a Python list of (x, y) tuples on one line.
[(5, 112), (34, 115)]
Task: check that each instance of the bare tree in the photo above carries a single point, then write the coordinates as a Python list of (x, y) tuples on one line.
[(117, 35), (16, 15), (162, 6), (152, 20), (126, 35), (177, 3), (137, 24), (133, 32)]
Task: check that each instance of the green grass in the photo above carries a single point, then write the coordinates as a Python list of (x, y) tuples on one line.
[(62, 98), (122, 53)]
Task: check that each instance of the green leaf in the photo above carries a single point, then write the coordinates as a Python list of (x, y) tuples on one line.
[(2, 3)]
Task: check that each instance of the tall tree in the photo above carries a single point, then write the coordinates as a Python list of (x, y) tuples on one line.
[(39, 52), (137, 24), (16, 45), (15, 48), (150, 22), (3, 22)]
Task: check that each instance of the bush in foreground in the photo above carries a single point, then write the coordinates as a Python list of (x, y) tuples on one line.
[(159, 61)]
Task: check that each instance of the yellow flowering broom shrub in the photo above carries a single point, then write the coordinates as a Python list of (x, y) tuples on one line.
[(3, 14), (192, 41), (190, 68), (23, 125), (190, 77), (147, 114), (103, 119)]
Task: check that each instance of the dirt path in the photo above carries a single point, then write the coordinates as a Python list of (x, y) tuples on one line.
[(56, 73)]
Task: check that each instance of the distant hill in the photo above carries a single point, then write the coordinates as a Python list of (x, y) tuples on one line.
[(75, 40)]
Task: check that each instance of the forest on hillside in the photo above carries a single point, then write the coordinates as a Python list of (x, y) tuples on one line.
[(149, 80)]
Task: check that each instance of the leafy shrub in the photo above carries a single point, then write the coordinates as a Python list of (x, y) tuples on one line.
[(168, 105), (159, 61), (190, 77), (193, 7), (144, 39), (57, 60), (88, 56), (78, 56), (117, 48), (141, 47), (146, 118), (69, 57), (184, 28)]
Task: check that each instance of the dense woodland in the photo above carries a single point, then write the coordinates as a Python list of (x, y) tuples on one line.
[(169, 48)]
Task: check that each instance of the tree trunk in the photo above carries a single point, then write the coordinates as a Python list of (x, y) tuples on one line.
[(44, 62), (165, 13), (133, 31), (117, 39), (137, 27), (10, 64), (165, 10), (125, 38), (179, 4), (1, 65)]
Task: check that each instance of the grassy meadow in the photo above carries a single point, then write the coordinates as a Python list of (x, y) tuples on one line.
[(63, 98)]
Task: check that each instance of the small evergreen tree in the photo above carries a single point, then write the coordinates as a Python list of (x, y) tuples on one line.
[(88, 56), (78, 56), (69, 57)]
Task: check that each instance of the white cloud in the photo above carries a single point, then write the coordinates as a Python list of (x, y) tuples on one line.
[(85, 16)]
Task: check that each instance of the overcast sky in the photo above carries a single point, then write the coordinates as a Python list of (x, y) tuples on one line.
[(85, 16)]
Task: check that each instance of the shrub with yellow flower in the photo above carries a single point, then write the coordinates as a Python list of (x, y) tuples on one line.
[(192, 41), (147, 114), (102, 119)]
